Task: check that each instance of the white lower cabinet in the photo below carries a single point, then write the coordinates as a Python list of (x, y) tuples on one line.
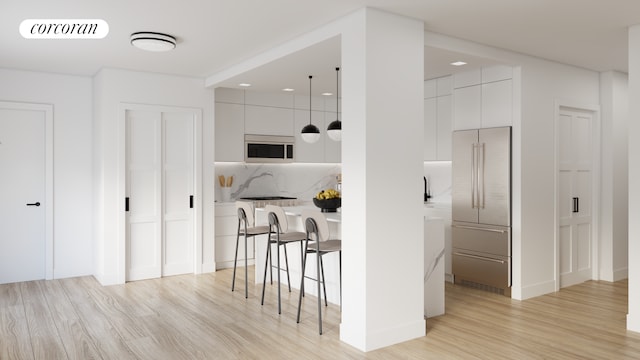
[(226, 227)]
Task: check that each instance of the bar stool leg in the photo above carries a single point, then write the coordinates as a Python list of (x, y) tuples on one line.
[(286, 262), (304, 265), (319, 293), (324, 286), (246, 277), (235, 259), (278, 263), (266, 263)]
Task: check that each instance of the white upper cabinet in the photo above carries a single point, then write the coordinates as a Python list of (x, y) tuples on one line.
[(444, 85), (497, 103), (267, 120), (496, 73), (438, 118), (229, 125), (486, 100), (269, 99), (443, 146), (467, 78), (317, 103), (227, 95), (229, 132), (430, 128), (467, 111), (430, 88)]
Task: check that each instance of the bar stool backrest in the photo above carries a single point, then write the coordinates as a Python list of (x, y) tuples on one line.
[(248, 211), (320, 222), (280, 215)]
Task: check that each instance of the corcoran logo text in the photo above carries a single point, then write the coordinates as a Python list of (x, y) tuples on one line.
[(64, 28)]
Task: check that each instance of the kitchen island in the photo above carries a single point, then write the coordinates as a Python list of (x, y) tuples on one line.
[(434, 250)]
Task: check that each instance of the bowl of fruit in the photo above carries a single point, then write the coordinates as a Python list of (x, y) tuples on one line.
[(328, 200)]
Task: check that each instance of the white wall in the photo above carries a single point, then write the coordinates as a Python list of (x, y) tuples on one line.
[(72, 184), (633, 318), (614, 216), (113, 87), (539, 87)]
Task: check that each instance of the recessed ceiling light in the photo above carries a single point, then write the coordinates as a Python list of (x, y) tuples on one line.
[(288, 89), (153, 41), (458, 63), (327, 94), (244, 84)]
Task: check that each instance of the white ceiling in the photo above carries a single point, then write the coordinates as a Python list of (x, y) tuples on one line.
[(216, 34)]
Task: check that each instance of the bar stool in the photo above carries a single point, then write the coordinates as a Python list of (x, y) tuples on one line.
[(317, 242), (279, 235), (246, 228)]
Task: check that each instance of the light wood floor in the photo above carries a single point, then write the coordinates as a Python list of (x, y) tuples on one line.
[(198, 317)]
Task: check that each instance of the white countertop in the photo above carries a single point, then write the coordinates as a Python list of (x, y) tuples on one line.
[(297, 211)]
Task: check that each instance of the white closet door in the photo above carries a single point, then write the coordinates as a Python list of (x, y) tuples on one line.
[(177, 189), (144, 193), (575, 189), (22, 194)]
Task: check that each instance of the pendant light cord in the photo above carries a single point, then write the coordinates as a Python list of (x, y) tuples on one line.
[(310, 99), (338, 94)]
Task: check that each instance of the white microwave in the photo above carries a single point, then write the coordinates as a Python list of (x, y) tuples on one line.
[(268, 148)]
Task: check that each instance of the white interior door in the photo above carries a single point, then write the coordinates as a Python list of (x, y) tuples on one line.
[(22, 194), (144, 194), (177, 191), (574, 196), (160, 186)]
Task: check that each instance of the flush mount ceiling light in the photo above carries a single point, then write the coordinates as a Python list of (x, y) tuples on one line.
[(334, 130), (310, 133), (153, 41), (458, 63)]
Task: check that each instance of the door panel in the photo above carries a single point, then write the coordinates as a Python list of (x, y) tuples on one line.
[(143, 190), (463, 181), (177, 189), (22, 181), (574, 196)]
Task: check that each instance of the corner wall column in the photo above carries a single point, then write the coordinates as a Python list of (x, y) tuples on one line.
[(382, 162), (633, 317)]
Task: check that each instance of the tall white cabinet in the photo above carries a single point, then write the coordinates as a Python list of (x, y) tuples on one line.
[(483, 98), (159, 193), (437, 118)]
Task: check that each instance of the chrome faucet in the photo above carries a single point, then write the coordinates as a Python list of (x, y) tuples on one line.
[(426, 190)]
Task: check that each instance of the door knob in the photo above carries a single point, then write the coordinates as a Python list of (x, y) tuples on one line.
[(34, 204)]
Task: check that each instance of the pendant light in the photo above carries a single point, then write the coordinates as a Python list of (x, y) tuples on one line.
[(334, 130), (310, 133)]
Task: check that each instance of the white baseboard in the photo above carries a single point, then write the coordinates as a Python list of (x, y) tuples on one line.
[(385, 337), (531, 291), (208, 267), (633, 322), (229, 264)]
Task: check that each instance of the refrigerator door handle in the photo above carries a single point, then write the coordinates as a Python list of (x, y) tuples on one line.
[(474, 174), (480, 189)]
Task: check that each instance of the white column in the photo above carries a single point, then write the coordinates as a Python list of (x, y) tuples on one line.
[(382, 147), (633, 318), (614, 224)]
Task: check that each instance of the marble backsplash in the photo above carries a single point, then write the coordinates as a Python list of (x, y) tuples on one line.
[(303, 181)]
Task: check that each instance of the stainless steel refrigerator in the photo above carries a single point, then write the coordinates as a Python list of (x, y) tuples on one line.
[(481, 208)]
